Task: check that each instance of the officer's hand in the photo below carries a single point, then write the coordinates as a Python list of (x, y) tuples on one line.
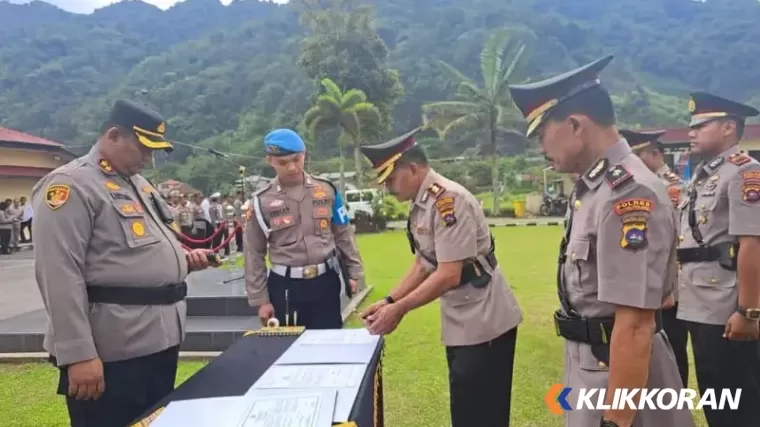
[(372, 309), (197, 259), (385, 320), (668, 302), (352, 284), (739, 328), (86, 379), (266, 312)]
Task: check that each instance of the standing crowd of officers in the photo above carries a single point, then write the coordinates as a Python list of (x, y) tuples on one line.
[(644, 261)]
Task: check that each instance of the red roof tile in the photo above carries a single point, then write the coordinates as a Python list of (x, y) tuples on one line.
[(676, 135), (10, 135)]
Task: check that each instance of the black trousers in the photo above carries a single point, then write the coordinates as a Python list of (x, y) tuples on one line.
[(721, 363), (313, 303), (132, 387), (26, 225), (219, 238), (239, 239), (678, 336), (5, 240), (480, 382)]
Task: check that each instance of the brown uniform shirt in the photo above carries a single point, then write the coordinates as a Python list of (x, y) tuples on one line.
[(621, 251), (449, 225), (727, 206), (299, 231), (95, 227)]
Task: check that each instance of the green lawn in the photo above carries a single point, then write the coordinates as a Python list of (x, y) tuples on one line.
[(416, 386)]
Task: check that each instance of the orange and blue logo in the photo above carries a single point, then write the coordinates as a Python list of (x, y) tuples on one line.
[(556, 399)]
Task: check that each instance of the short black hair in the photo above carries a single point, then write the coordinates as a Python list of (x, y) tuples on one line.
[(415, 154), (594, 103)]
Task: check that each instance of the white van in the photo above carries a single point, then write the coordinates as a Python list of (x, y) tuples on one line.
[(360, 200)]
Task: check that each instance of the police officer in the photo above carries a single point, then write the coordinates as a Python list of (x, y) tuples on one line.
[(238, 205), (111, 274), (647, 146), (617, 258), (311, 245), (455, 262), (720, 257)]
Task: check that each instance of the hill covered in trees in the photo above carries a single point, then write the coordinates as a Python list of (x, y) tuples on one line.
[(223, 76)]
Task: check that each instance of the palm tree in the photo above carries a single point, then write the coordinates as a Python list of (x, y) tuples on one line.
[(348, 111), (489, 107)]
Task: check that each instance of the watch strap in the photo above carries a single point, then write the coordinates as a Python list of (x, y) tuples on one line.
[(389, 299)]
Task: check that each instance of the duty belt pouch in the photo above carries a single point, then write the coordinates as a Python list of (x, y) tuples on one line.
[(474, 274), (601, 352), (727, 255)]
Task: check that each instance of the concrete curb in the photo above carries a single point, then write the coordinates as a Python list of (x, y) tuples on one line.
[(19, 358)]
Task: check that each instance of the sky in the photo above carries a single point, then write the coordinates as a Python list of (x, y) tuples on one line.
[(87, 6)]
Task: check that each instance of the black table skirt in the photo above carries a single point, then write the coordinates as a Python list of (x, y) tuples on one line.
[(234, 371)]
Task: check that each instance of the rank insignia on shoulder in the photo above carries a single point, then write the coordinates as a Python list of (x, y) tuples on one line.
[(715, 163), (57, 195), (617, 175), (106, 167), (739, 159), (633, 205), (600, 166), (436, 189), (634, 233)]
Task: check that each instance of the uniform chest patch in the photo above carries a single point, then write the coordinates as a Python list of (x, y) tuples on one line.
[(110, 185), (674, 192), (600, 166), (319, 193), (275, 203)]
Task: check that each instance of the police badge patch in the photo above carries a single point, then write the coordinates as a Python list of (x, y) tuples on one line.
[(634, 233), (57, 195)]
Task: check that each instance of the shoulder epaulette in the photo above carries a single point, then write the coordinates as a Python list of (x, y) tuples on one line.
[(325, 180), (617, 175), (436, 190), (672, 178), (739, 158)]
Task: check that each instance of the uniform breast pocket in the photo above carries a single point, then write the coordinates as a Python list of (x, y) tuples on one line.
[(135, 224), (322, 219), (284, 230), (580, 268)]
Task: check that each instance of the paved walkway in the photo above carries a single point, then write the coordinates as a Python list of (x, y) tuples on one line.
[(17, 285)]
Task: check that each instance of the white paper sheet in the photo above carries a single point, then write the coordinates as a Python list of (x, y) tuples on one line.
[(288, 408), (344, 402), (311, 376), (211, 412), (327, 354), (359, 336)]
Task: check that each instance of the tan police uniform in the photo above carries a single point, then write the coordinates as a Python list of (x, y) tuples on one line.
[(618, 249), (111, 274), (648, 142), (479, 317), (721, 204), (310, 244)]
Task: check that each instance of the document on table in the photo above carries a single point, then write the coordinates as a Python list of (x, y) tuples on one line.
[(311, 376), (359, 336), (288, 408), (210, 412)]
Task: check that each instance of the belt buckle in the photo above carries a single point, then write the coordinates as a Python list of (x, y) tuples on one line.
[(310, 272)]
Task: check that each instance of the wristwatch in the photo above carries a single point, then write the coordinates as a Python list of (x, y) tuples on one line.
[(608, 423), (389, 299), (749, 313)]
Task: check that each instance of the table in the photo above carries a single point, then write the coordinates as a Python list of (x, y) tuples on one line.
[(234, 371)]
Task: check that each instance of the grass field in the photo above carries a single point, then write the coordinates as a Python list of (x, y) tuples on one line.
[(416, 386)]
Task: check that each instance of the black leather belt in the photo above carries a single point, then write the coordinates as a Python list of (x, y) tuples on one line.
[(129, 295), (590, 330), (699, 254)]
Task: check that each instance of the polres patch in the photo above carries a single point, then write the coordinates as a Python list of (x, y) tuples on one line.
[(634, 205)]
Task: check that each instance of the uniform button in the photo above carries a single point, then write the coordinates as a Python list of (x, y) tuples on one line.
[(680, 238), (572, 256), (713, 280), (602, 364)]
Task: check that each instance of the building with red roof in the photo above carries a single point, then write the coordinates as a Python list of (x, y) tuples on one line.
[(24, 159)]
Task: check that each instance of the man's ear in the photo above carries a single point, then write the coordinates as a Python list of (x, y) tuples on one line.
[(575, 123), (112, 134), (728, 127)]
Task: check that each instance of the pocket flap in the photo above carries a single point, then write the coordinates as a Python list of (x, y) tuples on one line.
[(322, 212), (128, 208), (578, 249)]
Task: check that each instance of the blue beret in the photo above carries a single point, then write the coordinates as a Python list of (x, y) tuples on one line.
[(282, 142)]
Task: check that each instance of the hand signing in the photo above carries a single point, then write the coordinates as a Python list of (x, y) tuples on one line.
[(384, 320)]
